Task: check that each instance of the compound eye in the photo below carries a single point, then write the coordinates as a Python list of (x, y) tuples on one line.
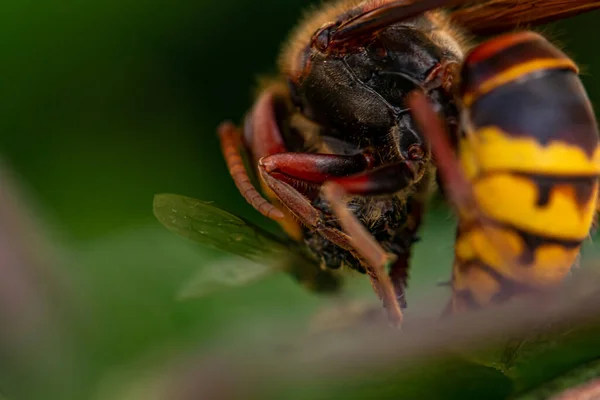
[(321, 38), (415, 152)]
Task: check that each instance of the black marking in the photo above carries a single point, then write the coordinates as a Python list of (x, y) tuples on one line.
[(553, 107), (583, 187), (543, 188), (465, 265)]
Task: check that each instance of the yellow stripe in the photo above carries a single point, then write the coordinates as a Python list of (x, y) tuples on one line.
[(501, 249), (512, 199), (516, 72), (491, 149)]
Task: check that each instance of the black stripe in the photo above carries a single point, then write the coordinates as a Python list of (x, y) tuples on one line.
[(553, 107)]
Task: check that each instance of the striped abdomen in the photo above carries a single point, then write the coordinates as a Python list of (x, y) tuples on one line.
[(531, 151)]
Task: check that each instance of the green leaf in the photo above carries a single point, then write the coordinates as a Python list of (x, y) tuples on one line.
[(536, 356), (211, 226), (576, 377), (446, 377), (556, 352), (494, 354)]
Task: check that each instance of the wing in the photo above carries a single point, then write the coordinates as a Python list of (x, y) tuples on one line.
[(213, 227), (263, 253), (495, 16), (480, 17)]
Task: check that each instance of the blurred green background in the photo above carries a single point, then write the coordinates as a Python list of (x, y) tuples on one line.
[(106, 103)]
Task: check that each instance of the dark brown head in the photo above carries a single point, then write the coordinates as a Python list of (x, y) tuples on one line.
[(355, 86)]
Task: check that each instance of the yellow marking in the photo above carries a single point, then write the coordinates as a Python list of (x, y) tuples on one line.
[(512, 199), (552, 262), (496, 247), (490, 149), (468, 159), (516, 72), (463, 248), (290, 225)]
